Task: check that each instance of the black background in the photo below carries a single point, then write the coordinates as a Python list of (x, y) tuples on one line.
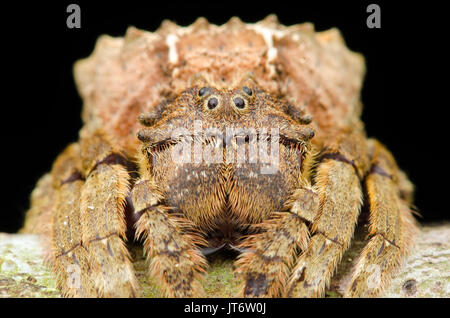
[(41, 107)]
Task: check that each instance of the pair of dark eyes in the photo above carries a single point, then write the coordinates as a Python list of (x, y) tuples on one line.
[(238, 102), (213, 101)]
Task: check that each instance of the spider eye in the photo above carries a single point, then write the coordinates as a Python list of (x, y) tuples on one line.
[(239, 102), (203, 91), (247, 91), (212, 103)]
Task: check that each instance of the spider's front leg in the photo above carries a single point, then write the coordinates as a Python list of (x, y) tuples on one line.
[(267, 256), (69, 257), (170, 242), (340, 195), (90, 256), (391, 225)]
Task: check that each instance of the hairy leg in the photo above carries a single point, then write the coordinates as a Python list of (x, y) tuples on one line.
[(70, 258), (102, 217), (340, 199), (171, 243), (88, 226), (268, 255), (391, 225)]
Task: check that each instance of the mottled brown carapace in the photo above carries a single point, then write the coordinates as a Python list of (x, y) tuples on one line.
[(241, 136)]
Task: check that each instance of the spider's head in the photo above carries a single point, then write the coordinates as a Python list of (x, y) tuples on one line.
[(206, 112)]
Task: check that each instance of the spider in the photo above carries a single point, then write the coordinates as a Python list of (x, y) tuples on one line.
[(240, 136)]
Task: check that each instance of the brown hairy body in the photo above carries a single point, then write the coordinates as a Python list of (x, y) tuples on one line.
[(223, 100)]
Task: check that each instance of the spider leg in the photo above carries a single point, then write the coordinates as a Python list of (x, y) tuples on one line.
[(340, 196), (170, 243), (103, 225), (391, 225), (268, 255), (70, 258), (89, 255)]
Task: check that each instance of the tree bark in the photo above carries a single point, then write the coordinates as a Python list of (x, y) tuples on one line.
[(426, 272)]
